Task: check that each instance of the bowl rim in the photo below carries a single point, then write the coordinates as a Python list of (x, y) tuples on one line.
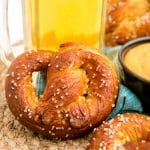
[(125, 48)]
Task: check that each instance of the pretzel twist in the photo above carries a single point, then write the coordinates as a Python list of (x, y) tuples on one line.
[(81, 90), (127, 20), (129, 131)]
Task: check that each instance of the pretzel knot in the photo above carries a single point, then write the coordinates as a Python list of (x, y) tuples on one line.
[(122, 26), (130, 131), (81, 90)]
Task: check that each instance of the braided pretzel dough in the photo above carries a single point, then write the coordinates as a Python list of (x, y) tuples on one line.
[(81, 90), (124, 132), (127, 20)]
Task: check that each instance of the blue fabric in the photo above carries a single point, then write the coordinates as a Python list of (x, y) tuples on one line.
[(127, 101)]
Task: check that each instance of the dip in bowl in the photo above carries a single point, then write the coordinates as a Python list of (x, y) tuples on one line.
[(134, 66)]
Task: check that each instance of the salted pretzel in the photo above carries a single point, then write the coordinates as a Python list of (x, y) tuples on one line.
[(81, 90), (126, 20), (129, 131)]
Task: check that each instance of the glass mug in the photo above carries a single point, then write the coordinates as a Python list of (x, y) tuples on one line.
[(48, 23)]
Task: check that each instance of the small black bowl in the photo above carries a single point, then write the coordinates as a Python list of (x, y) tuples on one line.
[(139, 85)]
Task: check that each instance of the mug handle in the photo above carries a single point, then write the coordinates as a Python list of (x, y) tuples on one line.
[(6, 53)]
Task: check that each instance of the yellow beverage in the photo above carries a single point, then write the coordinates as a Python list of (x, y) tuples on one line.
[(52, 22)]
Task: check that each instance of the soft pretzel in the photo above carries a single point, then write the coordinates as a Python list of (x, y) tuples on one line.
[(129, 131), (143, 145), (81, 90), (127, 20)]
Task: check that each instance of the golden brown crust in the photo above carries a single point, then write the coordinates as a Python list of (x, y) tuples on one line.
[(20, 93), (80, 92), (127, 20), (123, 132), (135, 146)]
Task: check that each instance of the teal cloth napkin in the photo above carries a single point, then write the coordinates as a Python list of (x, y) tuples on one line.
[(127, 101)]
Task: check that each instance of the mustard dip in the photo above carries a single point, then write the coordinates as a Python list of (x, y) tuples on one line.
[(138, 60)]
